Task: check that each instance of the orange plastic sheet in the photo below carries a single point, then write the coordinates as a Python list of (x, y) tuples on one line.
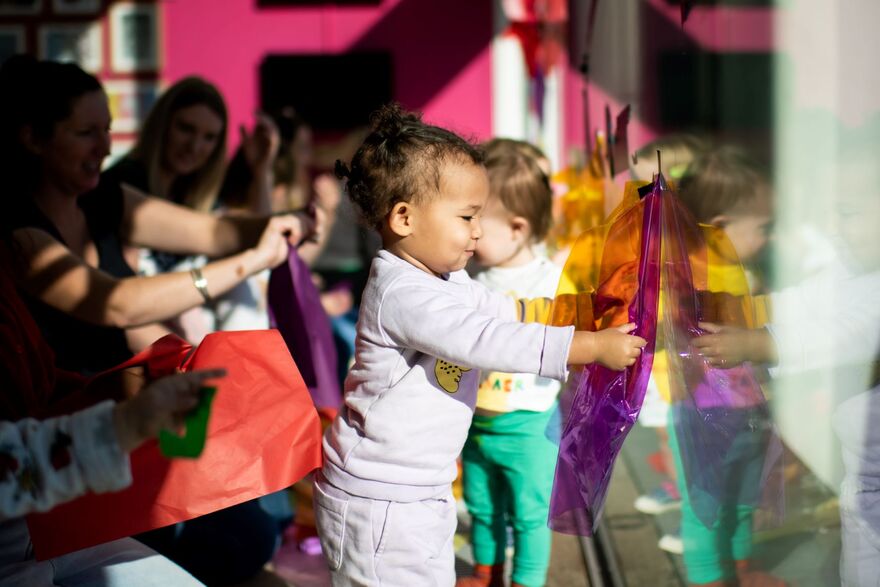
[(582, 206)]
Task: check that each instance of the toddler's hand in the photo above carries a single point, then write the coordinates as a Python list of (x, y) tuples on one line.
[(616, 348), (161, 404), (730, 346)]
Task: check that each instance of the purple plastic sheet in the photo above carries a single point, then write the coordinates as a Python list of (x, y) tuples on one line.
[(295, 310), (607, 403), (728, 449)]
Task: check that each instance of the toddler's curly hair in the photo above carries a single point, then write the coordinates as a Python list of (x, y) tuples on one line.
[(401, 160)]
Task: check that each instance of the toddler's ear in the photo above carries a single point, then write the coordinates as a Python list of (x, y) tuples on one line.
[(720, 220), (400, 219), (521, 227)]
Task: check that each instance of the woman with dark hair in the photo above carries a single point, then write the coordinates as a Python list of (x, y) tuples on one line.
[(71, 231)]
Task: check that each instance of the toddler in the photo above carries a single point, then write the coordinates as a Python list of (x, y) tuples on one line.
[(383, 501)]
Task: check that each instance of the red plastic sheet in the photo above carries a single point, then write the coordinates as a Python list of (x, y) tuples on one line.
[(264, 435)]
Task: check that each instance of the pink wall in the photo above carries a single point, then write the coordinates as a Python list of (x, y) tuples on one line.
[(448, 78)]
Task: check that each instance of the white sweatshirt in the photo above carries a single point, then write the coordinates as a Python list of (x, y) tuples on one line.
[(507, 392), (409, 398)]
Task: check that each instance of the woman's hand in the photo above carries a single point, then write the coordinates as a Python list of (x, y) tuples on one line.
[(162, 404), (280, 233), (260, 146)]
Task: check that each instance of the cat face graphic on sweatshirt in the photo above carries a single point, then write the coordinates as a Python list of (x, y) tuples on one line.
[(448, 375)]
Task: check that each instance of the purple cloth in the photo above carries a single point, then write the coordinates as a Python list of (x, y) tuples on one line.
[(295, 310)]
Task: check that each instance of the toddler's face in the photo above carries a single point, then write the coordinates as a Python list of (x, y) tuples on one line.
[(446, 228), (500, 241), (748, 227)]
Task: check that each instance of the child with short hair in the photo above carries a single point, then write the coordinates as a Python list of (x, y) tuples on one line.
[(383, 501), (508, 460), (726, 188)]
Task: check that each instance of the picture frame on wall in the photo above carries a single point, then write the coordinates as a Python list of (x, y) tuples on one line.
[(11, 41), (19, 7), (76, 6), (79, 43), (134, 37), (130, 101)]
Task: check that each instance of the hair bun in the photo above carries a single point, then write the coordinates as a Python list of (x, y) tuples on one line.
[(391, 121)]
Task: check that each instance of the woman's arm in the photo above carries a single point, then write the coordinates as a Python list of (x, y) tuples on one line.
[(62, 280), (157, 224), (141, 337)]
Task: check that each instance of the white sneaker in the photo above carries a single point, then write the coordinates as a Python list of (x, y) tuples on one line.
[(657, 502), (672, 542)]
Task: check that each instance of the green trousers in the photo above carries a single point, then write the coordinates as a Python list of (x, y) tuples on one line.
[(710, 554), (508, 474)]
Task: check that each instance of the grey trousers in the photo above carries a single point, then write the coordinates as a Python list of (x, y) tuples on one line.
[(371, 542)]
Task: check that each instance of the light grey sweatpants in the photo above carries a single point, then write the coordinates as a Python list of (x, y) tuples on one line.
[(371, 542)]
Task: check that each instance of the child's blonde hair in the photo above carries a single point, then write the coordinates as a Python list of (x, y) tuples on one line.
[(517, 180)]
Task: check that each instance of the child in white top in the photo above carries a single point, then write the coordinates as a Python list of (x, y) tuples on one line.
[(384, 507), (508, 460)]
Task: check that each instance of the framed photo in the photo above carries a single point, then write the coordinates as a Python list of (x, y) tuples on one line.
[(79, 43), (130, 101), (76, 6), (11, 41), (20, 6), (134, 37)]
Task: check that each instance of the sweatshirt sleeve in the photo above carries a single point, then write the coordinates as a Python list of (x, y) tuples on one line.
[(494, 303), (44, 464), (413, 315)]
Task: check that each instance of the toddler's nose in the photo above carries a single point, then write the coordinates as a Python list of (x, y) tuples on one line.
[(477, 230)]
